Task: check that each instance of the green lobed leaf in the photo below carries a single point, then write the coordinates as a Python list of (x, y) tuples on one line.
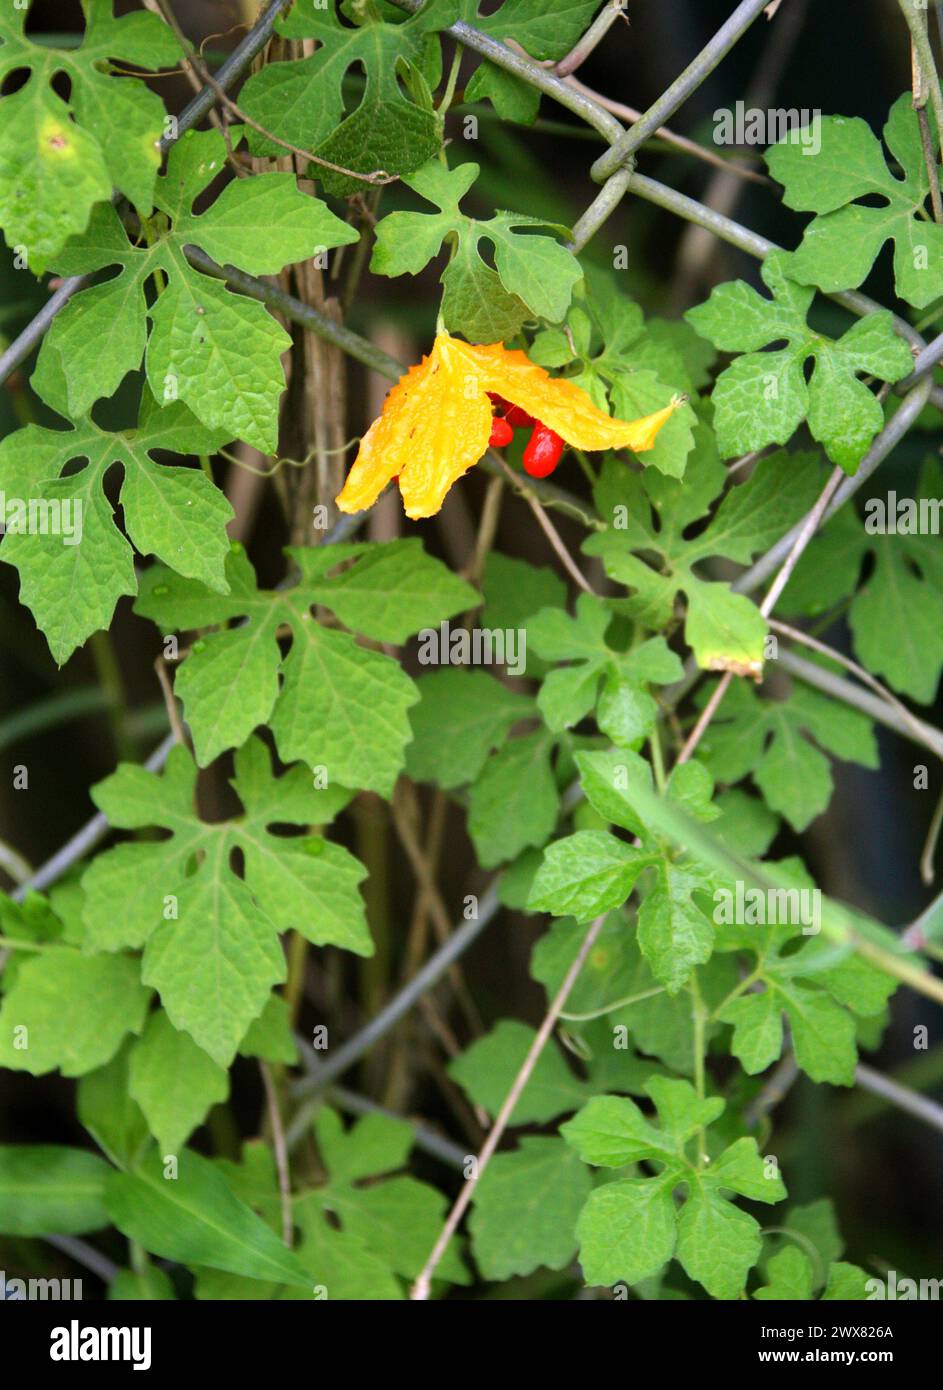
[(763, 397), (841, 244), (526, 1207), (533, 275), (70, 1011), (217, 351), (174, 1082), (72, 576), (340, 707), (210, 939), (59, 156)]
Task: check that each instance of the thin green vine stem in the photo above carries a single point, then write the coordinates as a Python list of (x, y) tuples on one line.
[(616, 1004), (699, 1020)]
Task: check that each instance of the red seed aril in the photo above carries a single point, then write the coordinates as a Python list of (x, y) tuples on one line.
[(501, 433), (516, 416), (543, 451)]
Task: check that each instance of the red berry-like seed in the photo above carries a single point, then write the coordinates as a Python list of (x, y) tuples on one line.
[(543, 451), (501, 433), (517, 416)]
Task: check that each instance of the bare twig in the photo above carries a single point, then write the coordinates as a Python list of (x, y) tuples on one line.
[(170, 700), (927, 871), (911, 1102), (915, 725), (671, 137), (705, 717), (679, 91), (877, 709), (548, 528), (592, 38), (421, 1288), (281, 1151), (805, 531), (916, 17)]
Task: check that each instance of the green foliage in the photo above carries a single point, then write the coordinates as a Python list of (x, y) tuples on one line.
[(172, 512), (216, 351), (900, 594), (818, 989), (304, 101), (629, 365), (193, 1217), (45, 1187), (533, 275), (70, 1011), (842, 242), (763, 397), (60, 157), (630, 1227), (770, 740), (148, 976), (341, 706), (210, 938), (650, 514)]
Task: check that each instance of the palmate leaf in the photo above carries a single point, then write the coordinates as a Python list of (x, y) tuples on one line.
[(772, 740), (533, 274), (900, 594), (210, 938), (649, 513), (526, 1208), (819, 995), (72, 583), (841, 244), (341, 706), (397, 1219), (545, 29), (364, 1230), (591, 872), (217, 351), (626, 712), (630, 1228), (59, 157), (763, 397), (304, 100)]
